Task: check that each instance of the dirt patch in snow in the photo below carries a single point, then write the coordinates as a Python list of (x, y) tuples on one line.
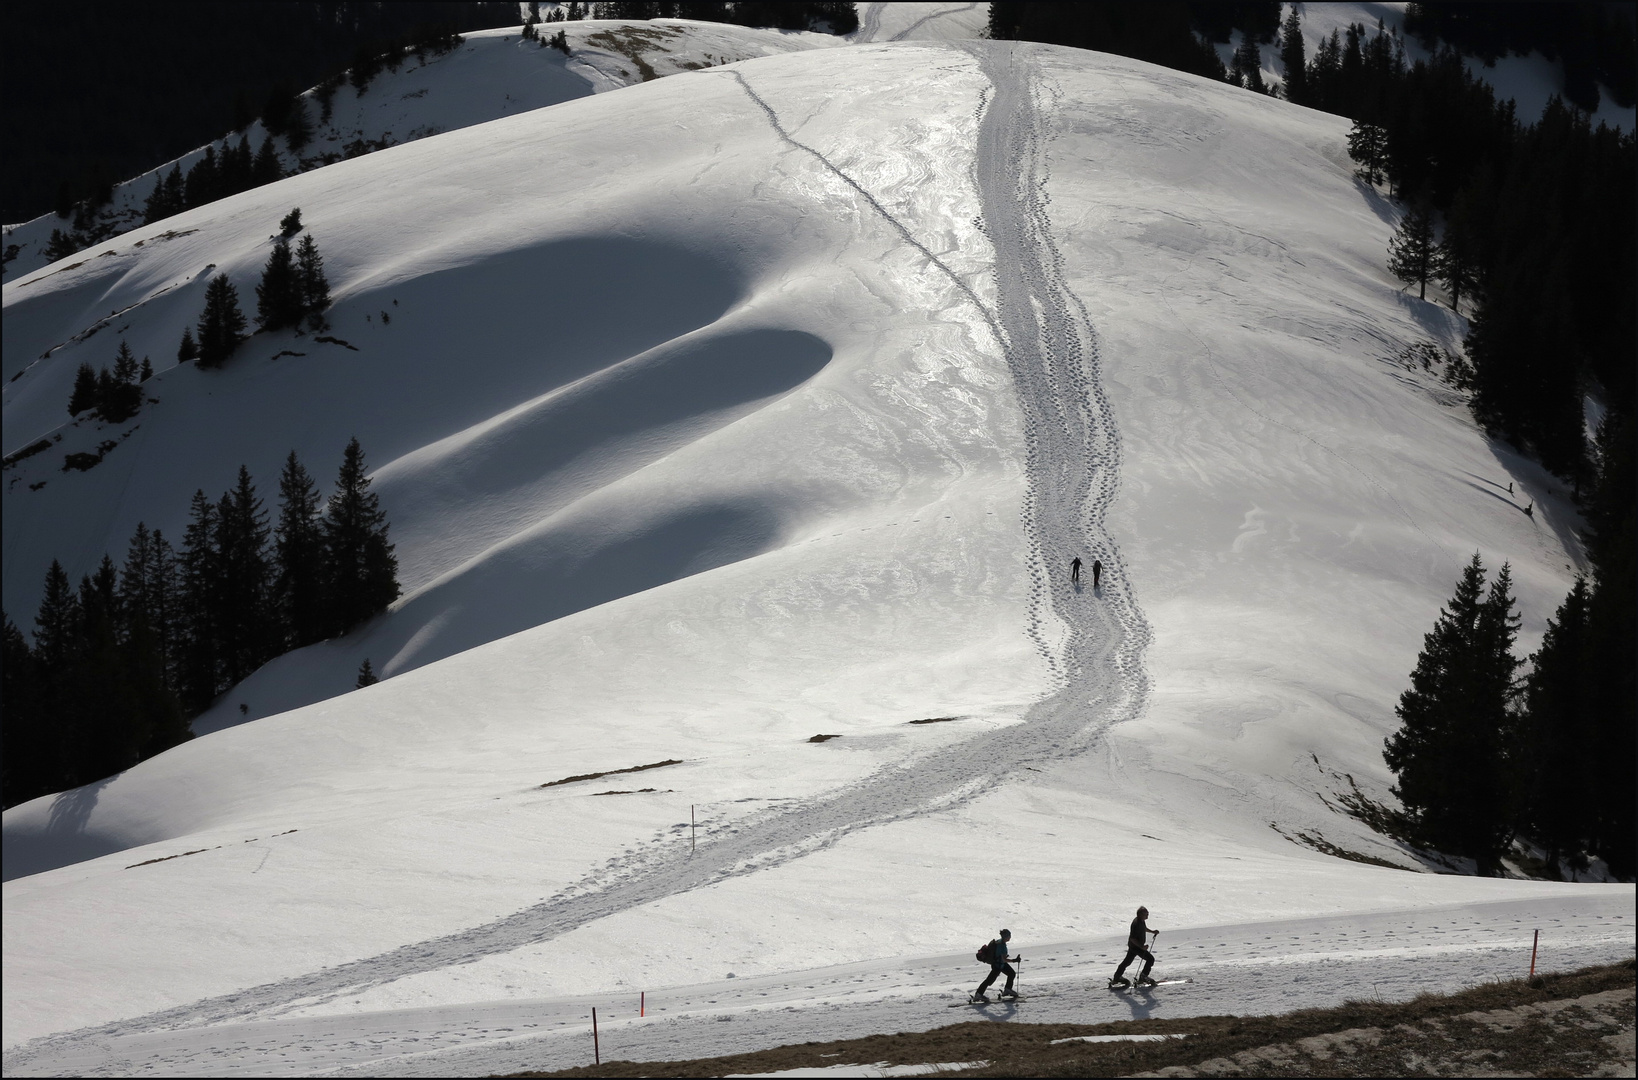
[(1575, 1024), (612, 772)]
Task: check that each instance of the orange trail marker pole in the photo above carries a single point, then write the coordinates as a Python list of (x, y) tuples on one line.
[(1533, 947), (597, 1052), (642, 1003)]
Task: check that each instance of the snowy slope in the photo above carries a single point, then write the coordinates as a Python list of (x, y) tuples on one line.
[(749, 405), (921, 22), (1254, 968), (1528, 80), (495, 73)]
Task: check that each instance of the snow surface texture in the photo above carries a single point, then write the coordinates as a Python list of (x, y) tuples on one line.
[(1243, 969), (979, 309)]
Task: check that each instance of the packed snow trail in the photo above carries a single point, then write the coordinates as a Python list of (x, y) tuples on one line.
[(1071, 461), (1255, 968)]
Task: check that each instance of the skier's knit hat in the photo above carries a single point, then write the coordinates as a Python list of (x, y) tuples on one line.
[(1006, 933)]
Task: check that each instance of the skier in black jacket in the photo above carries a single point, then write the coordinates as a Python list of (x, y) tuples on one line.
[(1137, 943), (998, 966)]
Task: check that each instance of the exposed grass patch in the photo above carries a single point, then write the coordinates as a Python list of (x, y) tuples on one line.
[(611, 772), (1325, 847), (1568, 1025), (27, 452), (936, 720), (630, 41), (823, 738)]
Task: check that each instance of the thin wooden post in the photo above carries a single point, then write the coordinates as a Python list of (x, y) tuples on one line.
[(691, 828), (1533, 947), (597, 1052)]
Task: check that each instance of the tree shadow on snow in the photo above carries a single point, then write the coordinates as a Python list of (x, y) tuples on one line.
[(61, 838)]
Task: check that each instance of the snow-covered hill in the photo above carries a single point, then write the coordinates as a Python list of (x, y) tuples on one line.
[(492, 74), (753, 404)]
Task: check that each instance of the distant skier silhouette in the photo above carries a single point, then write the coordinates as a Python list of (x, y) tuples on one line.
[(1075, 570), (1097, 572)]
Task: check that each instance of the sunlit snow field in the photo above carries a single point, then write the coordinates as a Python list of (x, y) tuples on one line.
[(697, 440)]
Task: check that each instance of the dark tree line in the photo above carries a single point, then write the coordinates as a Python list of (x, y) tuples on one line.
[(216, 176), (1171, 33), (119, 666), (841, 18), (293, 292), (185, 72), (111, 396), (1484, 757), (1593, 41)]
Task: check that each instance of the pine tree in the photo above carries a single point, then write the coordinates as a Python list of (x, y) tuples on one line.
[(166, 197), (363, 572), (1449, 753), (222, 326), (1247, 68), (1612, 641), (326, 94), (1368, 147), (1456, 259), (299, 544), (299, 132), (1411, 251), (123, 396), (176, 198), (148, 597), (266, 168), (235, 166), (198, 664), (1555, 737), (203, 184), (290, 224), (245, 631), (187, 350), (366, 675), (61, 245), (85, 391), (1293, 56), (56, 624), (278, 294), (105, 698), (313, 285), (28, 754)]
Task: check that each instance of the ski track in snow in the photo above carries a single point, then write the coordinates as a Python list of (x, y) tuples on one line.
[(917, 25), (1072, 464)]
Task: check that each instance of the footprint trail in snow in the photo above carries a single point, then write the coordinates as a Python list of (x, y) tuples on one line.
[(1093, 643)]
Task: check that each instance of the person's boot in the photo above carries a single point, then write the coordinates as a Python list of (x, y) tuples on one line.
[(979, 998), (1009, 994), (1145, 981), (1118, 980)]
